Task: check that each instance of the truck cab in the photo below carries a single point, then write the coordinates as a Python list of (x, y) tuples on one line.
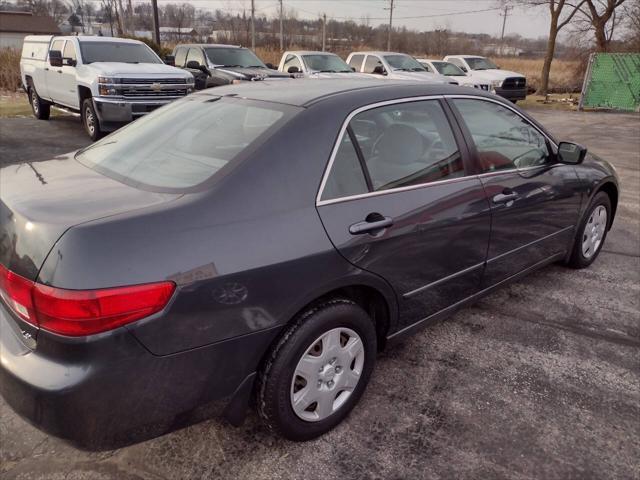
[(394, 66), (109, 81), (510, 85), (315, 64), (213, 65)]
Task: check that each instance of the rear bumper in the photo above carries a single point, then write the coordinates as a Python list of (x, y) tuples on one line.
[(108, 390), (512, 93), (118, 111)]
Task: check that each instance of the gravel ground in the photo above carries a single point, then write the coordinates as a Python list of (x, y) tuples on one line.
[(538, 380)]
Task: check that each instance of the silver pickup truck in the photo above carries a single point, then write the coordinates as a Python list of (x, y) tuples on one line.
[(109, 81)]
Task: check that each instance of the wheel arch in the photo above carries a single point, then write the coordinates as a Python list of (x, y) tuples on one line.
[(611, 189), (84, 92)]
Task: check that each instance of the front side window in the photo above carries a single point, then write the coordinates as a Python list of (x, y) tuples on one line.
[(457, 62), (57, 45), (356, 62), (69, 51), (504, 140), (371, 63), (233, 57), (117, 52), (404, 62), (480, 63), (399, 145), (196, 55), (292, 61), (184, 143)]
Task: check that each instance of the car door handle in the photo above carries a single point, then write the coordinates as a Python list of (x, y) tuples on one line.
[(379, 223), (46, 69), (505, 197)]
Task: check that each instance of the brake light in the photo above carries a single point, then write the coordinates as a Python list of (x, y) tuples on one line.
[(16, 292), (81, 312)]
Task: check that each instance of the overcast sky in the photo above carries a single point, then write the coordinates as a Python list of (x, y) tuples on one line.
[(532, 23)]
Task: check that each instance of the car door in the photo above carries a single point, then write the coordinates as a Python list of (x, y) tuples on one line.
[(53, 75), (396, 201), (535, 200)]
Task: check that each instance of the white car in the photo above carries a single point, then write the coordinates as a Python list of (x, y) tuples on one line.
[(450, 70), (510, 85), (109, 81), (313, 64), (394, 66)]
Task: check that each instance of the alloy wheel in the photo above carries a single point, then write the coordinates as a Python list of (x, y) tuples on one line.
[(594, 231)]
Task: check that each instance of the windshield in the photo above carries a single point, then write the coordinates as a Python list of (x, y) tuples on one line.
[(404, 62), (326, 63), (233, 57), (480, 63), (117, 52), (183, 144), (448, 69)]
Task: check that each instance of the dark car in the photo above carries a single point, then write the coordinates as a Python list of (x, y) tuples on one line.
[(265, 242), (213, 65)]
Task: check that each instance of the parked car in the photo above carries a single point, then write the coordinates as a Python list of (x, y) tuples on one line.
[(109, 81), (510, 85), (314, 64), (213, 65), (252, 240), (394, 66), (450, 70)]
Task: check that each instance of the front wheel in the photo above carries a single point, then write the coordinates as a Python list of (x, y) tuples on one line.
[(592, 232), (41, 109), (90, 120), (318, 371)]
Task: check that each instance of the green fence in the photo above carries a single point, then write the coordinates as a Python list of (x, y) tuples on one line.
[(612, 81)]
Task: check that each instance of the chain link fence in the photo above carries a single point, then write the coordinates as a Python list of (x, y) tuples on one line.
[(612, 82)]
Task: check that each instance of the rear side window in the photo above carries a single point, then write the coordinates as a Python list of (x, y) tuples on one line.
[(356, 62), (181, 56), (504, 140), (400, 145), (371, 63), (185, 143)]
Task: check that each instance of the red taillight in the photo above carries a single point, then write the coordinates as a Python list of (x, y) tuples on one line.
[(81, 312), (16, 292)]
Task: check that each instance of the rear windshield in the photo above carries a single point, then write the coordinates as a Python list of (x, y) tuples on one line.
[(117, 52), (185, 143)]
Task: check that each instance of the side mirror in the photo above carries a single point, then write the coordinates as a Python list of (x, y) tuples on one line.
[(270, 65), (69, 62), (464, 69), (293, 69), (193, 65), (571, 153), (55, 58), (353, 69), (379, 70), (170, 60)]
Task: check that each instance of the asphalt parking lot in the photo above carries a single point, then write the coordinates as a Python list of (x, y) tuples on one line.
[(540, 380)]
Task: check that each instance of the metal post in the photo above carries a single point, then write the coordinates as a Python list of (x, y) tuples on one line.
[(281, 28), (156, 22), (253, 25), (504, 23), (324, 31), (390, 24)]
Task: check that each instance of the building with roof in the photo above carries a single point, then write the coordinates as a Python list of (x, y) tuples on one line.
[(14, 26)]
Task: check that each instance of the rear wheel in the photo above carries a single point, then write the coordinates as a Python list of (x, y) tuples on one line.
[(41, 109), (318, 371), (591, 232), (90, 120)]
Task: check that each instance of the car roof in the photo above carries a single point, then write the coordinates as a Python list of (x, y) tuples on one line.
[(310, 52), (378, 52), (306, 92), (96, 38), (208, 45), (464, 56)]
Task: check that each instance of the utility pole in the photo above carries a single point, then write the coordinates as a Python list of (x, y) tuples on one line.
[(253, 25), (390, 24), (281, 28), (504, 24), (156, 22), (324, 31)]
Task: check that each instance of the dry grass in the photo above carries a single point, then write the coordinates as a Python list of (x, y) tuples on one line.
[(9, 69)]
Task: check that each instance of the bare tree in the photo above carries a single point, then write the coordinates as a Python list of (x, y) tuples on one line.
[(601, 17)]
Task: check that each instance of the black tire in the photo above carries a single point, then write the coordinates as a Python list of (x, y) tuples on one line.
[(275, 387), (40, 108), (578, 259), (90, 120)]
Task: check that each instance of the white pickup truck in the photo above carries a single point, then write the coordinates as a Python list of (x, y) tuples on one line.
[(510, 85), (394, 66), (314, 64), (109, 81)]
